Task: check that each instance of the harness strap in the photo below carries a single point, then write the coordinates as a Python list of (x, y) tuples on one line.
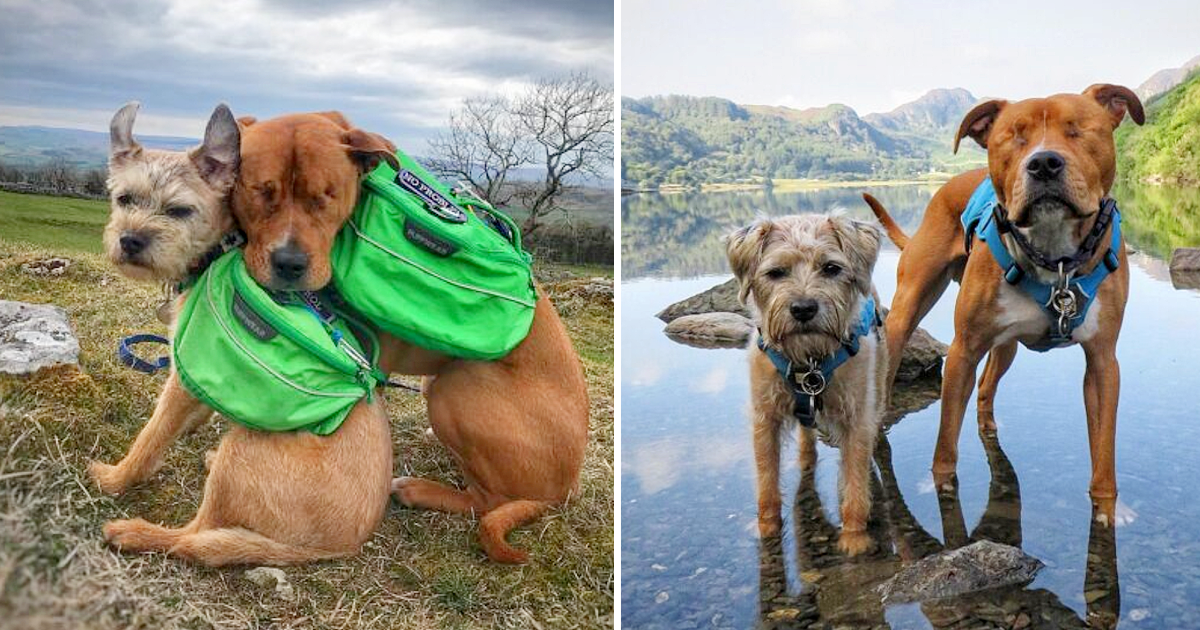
[(809, 380), (1067, 301), (127, 357)]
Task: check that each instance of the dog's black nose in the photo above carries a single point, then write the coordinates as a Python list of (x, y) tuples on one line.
[(804, 310), (289, 263), (133, 243), (1045, 165)]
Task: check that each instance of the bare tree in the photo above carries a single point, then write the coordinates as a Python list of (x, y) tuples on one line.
[(482, 146), (570, 121), (561, 126)]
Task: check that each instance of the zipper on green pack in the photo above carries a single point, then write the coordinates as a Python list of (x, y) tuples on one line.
[(396, 196), (335, 360)]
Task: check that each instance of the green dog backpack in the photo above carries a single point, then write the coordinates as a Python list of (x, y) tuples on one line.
[(278, 363), (437, 269)]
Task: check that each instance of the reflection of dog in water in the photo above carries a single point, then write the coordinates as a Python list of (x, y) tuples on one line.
[(842, 593)]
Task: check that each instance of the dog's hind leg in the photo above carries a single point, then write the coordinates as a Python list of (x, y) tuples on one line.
[(495, 525), (175, 413), (919, 284), (998, 362), (431, 495)]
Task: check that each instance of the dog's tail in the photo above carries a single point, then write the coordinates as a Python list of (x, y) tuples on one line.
[(893, 231), (495, 525)]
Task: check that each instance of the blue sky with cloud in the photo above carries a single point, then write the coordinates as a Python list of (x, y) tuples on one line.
[(394, 67), (876, 54)]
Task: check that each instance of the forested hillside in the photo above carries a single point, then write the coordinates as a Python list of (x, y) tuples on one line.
[(1167, 148)]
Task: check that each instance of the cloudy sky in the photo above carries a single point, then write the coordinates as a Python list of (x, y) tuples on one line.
[(396, 68), (876, 54)]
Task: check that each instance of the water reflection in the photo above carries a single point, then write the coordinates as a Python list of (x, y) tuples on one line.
[(680, 234), (842, 592)]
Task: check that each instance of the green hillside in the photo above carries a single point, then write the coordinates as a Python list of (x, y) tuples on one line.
[(691, 140), (1167, 148)]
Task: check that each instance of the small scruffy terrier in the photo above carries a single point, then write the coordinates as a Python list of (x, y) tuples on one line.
[(818, 360), (168, 207)]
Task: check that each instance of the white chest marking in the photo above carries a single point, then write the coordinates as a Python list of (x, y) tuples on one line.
[(1019, 317)]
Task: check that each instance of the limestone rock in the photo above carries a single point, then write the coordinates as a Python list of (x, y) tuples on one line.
[(34, 336), (722, 298), (270, 577), (711, 330), (978, 566), (922, 355)]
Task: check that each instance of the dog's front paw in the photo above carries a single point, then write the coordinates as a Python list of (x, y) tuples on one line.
[(853, 543), (769, 524), (107, 477)]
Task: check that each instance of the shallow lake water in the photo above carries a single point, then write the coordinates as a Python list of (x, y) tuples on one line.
[(691, 555)]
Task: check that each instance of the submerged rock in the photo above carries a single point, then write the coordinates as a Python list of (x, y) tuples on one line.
[(711, 330), (922, 356), (35, 336), (722, 298), (978, 566)]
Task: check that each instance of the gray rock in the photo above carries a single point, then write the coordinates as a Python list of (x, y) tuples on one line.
[(722, 298), (35, 336), (1185, 268), (711, 330), (922, 356), (270, 577), (978, 566)]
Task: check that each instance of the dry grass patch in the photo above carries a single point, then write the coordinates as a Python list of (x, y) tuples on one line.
[(420, 570)]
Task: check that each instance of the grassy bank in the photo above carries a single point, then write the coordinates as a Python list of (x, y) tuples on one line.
[(420, 569)]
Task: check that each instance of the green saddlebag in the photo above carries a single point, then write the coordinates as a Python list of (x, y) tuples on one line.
[(268, 365), (440, 270)]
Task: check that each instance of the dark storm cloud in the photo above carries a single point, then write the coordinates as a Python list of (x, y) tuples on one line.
[(395, 67)]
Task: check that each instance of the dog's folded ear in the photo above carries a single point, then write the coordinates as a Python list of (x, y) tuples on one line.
[(367, 149), (860, 242), (122, 146), (1118, 100), (217, 158), (744, 248), (978, 122)]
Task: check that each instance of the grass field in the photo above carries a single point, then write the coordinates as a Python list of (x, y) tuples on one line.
[(420, 570)]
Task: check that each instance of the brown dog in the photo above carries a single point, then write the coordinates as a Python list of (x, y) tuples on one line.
[(517, 426), (1052, 162), (270, 498)]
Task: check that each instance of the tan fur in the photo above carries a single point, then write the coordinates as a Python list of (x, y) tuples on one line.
[(517, 426), (270, 498), (804, 248), (1079, 127)]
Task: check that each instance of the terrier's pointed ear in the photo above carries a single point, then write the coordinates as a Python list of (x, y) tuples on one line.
[(1117, 100), (367, 149), (978, 122), (217, 159), (122, 146), (744, 248), (860, 242)]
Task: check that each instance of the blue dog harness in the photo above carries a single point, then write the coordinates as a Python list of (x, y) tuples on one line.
[(809, 380), (1065, 302)]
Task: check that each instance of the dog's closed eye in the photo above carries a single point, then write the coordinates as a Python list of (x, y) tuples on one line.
[(180, 212), (778, 273)]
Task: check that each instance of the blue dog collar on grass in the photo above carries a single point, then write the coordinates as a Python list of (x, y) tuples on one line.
[(128, 358)]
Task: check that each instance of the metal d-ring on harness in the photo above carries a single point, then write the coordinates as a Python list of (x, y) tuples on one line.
[(1067, 299), (807, 381)]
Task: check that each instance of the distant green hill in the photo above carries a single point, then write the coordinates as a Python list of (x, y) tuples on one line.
[(1167, 148), (695, 140), (34, 146)]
